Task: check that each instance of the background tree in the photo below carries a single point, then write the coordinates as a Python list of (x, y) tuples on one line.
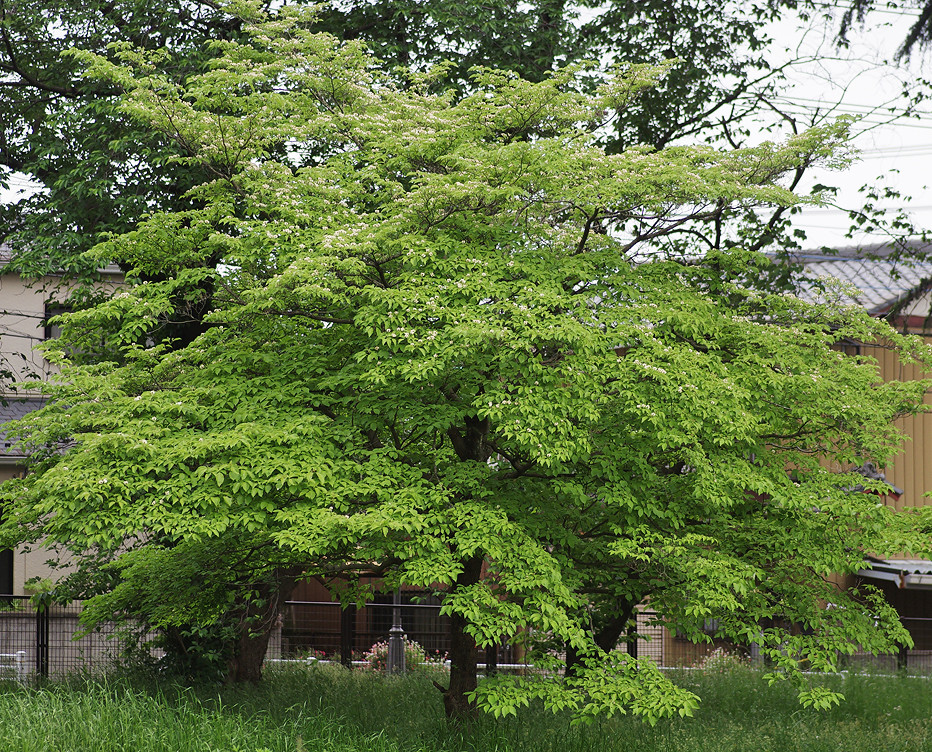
[(208, 606), (97, 173), (212, 604), (917, 38), (436, 347)]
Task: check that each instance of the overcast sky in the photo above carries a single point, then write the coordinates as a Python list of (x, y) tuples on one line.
[(863, 81)]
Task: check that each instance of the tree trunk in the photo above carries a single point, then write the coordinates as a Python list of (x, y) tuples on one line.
[(463, 657), (469, 445), (463, 673), (572, 661), (261, 615), (606, 637), (249, 655)]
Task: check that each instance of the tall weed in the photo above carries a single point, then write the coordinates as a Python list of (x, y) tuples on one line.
[(327, 709)]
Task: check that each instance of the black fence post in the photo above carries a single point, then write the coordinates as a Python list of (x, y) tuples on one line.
[(633, 641), (491, 660), (42, 641), (347, 635)]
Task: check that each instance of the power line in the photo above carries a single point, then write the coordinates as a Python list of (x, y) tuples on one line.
[(893, 155), (854, 108), (869, 107), (870, 120), (910, 149), (885, 210), (25, 182), (873, 118), (838, 6)]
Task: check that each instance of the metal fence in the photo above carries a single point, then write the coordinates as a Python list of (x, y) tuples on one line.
[(50, 643), (323, 629), (916, 660)]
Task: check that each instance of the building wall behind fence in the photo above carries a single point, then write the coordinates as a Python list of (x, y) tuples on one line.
[(308, 627), (59, 646)]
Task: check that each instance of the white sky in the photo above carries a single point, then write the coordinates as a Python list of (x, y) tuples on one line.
[(862, 81)]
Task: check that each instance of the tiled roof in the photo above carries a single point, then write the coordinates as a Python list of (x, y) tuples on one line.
[(906, 573), (14, 408), (880, 282), (6, 255)]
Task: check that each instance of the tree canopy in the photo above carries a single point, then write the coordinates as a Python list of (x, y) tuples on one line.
[(97, 173), (436, 341)]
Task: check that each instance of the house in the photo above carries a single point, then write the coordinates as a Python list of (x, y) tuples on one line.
[(25, 307), (900, 290), (879, 280)]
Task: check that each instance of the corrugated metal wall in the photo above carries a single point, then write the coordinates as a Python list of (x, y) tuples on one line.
[(911, 469)]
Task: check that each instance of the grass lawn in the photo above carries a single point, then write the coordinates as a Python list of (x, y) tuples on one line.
[(326, 709)]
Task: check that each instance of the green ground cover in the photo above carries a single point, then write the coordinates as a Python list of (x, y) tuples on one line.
[(329, 710)]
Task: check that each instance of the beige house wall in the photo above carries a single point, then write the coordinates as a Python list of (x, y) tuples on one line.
[(30, 562), (22, 328), (22, 323), (22, 312)]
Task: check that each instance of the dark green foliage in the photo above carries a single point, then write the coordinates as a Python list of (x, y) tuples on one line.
[(192, 654), (98, 172), (858, 13), (189, 604)]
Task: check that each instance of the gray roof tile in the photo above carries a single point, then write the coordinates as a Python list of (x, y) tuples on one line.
[(880, 282), (14, 408)]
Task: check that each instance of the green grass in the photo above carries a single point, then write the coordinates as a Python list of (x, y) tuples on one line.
[(330, 710)]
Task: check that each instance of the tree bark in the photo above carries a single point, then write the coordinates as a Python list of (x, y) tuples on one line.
[(463, 656), (469, 445), (249, 655), (261, 615), (606, 637)]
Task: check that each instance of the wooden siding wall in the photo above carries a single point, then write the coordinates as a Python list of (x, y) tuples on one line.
[(911, 469)]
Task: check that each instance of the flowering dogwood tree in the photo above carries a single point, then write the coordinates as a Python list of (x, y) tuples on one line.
[(440, 339)]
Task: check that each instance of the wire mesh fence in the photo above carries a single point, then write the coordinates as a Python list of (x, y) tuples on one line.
[(52, 643), (324, 630), (917, 659)]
